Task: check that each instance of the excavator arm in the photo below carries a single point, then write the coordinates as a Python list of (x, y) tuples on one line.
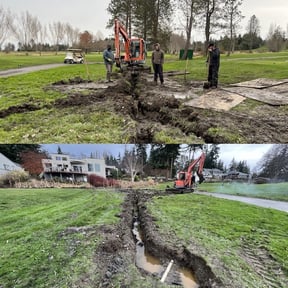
[(134, 48), (185, 178), (199, 171), (119, 30)]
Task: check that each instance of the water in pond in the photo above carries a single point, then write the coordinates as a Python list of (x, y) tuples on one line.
[(152, 264)]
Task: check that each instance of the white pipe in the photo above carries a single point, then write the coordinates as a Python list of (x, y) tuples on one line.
[(166, 272)]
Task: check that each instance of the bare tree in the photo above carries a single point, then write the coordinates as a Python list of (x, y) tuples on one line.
[(6, 20), (274, 163), (26, 30), (189, 8), (253, 30), (232, 16), (42, 36), (210, 6), (275, 39), (57, 31), (71, 35), (132, 163)]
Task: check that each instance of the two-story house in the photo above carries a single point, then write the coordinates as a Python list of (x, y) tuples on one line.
[(66, 167)]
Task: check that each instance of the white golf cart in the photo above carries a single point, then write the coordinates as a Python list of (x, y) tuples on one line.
[(74, 56)]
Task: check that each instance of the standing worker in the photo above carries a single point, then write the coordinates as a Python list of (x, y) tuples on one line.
[(108, 61), (158, 61), (213, 62)]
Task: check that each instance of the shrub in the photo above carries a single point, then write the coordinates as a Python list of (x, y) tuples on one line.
[(98, 181), (12, 177)]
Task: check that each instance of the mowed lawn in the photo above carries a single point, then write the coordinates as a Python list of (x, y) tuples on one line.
[(38, 245), (274, 191), (229, 235), (48, 236)]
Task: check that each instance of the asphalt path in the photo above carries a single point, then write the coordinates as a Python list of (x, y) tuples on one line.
[(278, 205), (24, 70)]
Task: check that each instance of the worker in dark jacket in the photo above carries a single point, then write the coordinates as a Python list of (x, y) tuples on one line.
[(157, 62), (213, 62), (109, 60)]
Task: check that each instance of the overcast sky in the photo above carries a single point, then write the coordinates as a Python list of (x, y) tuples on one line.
[(91, 15), (251, 153)]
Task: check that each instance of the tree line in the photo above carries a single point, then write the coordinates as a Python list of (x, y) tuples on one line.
[(144, 160), (151, 20), (32, 35)]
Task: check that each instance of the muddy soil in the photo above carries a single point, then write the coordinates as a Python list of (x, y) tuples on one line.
[(118, 249), (156, 109), (116, 253)]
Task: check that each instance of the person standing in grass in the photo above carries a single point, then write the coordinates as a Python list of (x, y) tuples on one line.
[(213, 62), (108, 61), (157, 62)]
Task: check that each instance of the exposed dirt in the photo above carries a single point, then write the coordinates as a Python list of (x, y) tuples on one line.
[(153, 109), (115, 254), (117, 250)]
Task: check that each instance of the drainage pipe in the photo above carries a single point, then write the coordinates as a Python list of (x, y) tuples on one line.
[(166, 272)]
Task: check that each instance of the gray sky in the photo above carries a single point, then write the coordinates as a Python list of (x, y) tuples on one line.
[(251, 153), (91, 15)]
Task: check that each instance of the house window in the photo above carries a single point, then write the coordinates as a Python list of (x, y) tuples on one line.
[(90, 167), (75, 169), (64, 158), (58, 158), (97, 168)]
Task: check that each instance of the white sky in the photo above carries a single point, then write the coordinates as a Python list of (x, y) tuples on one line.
[(251, 153), (91, 15)]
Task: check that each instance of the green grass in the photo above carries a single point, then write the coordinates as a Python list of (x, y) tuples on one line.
[(276, 191), (35, 250), (51, 125), (20, 59), (47, 125), (219, 230)]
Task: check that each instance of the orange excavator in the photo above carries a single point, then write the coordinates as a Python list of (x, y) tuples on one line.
[(134, 49), (186, 180)]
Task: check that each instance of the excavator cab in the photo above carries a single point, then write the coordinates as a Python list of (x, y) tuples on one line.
[(134, 51), (138, 51)]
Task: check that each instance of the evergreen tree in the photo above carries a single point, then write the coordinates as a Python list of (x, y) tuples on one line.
[(59, 151), (13, 151), (274, 164), (233, 165), (212, 155)]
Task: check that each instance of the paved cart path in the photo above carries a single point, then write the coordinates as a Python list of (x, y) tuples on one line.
[(24, 70), (278, 205)]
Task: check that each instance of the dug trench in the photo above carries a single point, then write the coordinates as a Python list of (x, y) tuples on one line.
[(148, 110), (118, 250), (154, 108)]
